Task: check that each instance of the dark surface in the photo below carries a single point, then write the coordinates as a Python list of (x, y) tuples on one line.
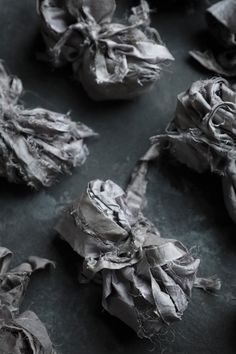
[(183, 204)]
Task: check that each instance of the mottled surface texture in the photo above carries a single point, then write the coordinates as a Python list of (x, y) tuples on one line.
[(183, 204)]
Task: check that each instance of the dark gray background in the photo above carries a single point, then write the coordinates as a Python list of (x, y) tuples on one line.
[(183, 204)]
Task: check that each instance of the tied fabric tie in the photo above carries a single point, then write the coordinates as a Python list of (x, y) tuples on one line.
[(146, 279), (20, 332), (111, 60), (203, 133)]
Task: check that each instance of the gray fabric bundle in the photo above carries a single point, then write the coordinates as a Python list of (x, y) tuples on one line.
[(36, 145), (222, 26), (146, 279), (203, 133), (20, 333), (111, 60)]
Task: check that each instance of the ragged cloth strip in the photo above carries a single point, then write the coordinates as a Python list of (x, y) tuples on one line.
[(146, 279), (203, 133), (111, 60), (20, 333), (222, 27), (36, 145)]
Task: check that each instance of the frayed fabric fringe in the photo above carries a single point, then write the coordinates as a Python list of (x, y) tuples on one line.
[(36, 145)]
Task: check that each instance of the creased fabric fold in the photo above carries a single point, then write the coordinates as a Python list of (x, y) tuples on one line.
[(146, 279), (111, 60), (222, 28), (36, 145), (203, 133), (20, 333)]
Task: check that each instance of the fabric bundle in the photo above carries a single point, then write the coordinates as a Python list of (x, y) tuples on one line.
[(20, 333), (146, 279), (203, 133), (111, 60), (36, 145), (222, 27)]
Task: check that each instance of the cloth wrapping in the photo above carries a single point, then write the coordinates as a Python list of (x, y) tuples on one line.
[(222, 27), (36, 145), (203, 133), (20, 333), (111, 60), (146, 279)]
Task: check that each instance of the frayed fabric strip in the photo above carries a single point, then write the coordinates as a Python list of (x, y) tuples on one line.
[(37, 146), (203, 133), (111, 60), (147, 280), (20, 332), (221, 25)]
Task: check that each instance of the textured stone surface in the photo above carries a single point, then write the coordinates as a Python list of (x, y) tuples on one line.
[(183, 204)]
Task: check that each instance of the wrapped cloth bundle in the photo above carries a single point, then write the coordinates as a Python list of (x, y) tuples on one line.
[(203, 133), (20, 333), (36, 145), (111, 60), (146, 279), (222, 26)]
